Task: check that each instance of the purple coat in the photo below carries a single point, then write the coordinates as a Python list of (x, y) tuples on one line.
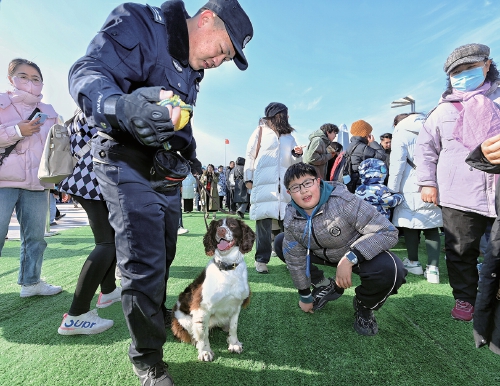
[(440, 161)]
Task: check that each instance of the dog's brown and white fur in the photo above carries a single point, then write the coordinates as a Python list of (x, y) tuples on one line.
[(215, 297)]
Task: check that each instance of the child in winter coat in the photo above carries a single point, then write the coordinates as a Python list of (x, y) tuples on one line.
[(372, 173), (326, 225)]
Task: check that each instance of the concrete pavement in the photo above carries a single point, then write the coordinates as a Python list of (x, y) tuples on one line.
[(75, 217)]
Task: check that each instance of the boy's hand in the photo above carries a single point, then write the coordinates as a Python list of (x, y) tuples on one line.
[(306, 307), (344, 273)]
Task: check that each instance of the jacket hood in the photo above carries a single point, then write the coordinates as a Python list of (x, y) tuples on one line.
[(356, 138), (372, 171), (319, 133), (412, 123)]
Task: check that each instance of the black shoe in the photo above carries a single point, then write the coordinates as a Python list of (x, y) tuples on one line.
[(325, 294), (60, 216), (242, 215), (155, 375), (364, 319)]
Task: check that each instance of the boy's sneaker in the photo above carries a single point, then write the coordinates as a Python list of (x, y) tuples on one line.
[(41, 289), (261, 267), (413, 267), (463, 311), (155, 375), (105, 300), (84, 324), (431, 273), (325, 294), (364, 319)]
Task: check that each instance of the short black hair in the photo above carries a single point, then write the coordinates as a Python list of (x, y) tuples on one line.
[(298, 170), (327, 128), (386, 135), (337, 147)]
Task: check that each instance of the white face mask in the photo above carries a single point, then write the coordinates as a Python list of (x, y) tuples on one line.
[(28, 87)]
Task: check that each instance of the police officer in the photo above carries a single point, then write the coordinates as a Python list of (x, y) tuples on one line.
[(142, 55)]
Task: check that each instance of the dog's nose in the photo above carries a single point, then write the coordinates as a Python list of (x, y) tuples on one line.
[(221, 232)]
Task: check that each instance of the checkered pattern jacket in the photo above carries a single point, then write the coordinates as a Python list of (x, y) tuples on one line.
[(83, 181), (344, 222)]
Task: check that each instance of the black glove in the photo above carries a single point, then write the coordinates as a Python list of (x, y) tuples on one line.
[(196, 167), (139, 115)]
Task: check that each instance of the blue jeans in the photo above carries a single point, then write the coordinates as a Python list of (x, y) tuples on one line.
[(31, 211), (53, 208)]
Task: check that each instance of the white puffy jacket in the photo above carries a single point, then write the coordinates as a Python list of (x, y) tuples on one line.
[(269, 198), (412, 213)]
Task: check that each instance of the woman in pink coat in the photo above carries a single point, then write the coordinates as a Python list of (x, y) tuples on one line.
[(20, 188)]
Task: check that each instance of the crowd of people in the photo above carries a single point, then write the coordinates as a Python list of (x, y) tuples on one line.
[(312, 205)]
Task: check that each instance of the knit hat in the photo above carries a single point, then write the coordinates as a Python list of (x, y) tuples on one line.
[(361, 128), (274, 108), (469, 53)]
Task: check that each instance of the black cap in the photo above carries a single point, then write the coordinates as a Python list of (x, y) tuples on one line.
[(238, 26), (274, 108)]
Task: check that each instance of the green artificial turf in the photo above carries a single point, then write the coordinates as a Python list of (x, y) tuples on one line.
[(418, 342)]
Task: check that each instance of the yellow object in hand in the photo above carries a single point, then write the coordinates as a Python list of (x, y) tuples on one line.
[(186, 110)]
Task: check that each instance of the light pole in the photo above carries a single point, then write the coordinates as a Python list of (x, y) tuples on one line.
[(407, 100)]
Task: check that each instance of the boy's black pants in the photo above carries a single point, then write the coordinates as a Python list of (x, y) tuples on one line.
[(380, 277)]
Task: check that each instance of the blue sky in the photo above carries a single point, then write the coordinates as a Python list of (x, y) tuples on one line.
[(327, 60)]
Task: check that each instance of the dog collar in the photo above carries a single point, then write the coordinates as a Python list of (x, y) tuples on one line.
[(224, 266)]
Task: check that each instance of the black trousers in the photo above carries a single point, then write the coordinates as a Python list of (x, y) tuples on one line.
[(230, 204), (99, 268), (145, 223), (380, 277), (462, 236)]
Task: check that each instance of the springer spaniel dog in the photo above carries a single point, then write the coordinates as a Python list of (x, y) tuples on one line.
[(215, 297)]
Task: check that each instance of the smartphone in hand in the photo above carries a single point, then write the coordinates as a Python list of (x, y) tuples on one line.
[(42, 117)]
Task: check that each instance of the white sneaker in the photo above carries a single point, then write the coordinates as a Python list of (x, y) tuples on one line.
[(84, 324), (261, 267), (432, 274), (105, 300), (41, 288), (413, 267), (182, 231)]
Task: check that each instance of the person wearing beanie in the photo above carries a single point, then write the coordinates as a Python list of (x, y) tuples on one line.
[(467, 114), (271, 149), (362, 146)]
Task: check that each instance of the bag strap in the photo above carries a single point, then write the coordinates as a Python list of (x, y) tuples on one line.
[(7, 151), (411, 163)]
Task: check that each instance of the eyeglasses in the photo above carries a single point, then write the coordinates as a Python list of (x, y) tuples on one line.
[(24, 79), (306, 184)]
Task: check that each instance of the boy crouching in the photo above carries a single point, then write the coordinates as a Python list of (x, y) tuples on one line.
[(325, 224)]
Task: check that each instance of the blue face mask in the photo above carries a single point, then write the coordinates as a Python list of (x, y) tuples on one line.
[(468, 80)]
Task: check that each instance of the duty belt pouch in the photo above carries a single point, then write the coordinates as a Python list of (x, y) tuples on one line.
[(168, 171)]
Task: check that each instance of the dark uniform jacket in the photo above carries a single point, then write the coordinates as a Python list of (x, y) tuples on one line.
[(487, 306), (361, 150), (138, 46)]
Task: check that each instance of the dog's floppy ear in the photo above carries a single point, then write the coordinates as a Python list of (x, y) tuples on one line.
[(247, 239), (209, 239)]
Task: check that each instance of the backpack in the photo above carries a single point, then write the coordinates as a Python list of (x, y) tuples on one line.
[(57, 163), (342, 171)]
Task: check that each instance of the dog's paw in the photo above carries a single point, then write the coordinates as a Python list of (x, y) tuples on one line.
[(206, 356), (237, 348)]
